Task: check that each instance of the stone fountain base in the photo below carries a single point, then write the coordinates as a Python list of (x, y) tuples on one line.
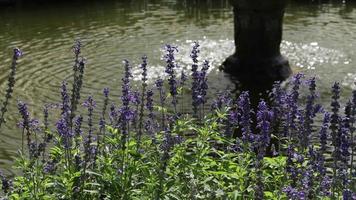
[(257, 71), (258, 35)]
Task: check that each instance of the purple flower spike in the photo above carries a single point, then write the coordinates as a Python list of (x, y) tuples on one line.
[(6, 183), (17, 53), (64, 132), (264, 117), (65, 100), (171, 65), (106, 92), (10, 85), (243, 103), (143, 66)]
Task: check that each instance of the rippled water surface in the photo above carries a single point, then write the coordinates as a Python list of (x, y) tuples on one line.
[(318, 40)]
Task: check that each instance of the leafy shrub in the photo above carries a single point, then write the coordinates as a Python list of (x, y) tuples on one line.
[(145, 149)]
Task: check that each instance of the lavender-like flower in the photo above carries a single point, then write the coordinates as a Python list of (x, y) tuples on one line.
[(6, 184), (352, 130), (334, 126), (195, 77), (203, 84), (78, 125), (10, 84), (335, 106), (127, 96), (50, 167), (292, 105), (344, 154), (143, 66), (325, 186), (171, 65), (65, 107), (90, 104), (22, 107), (347, 194), (294, 194), (243, 103), (78, 69), (102, 122), (310, 111), (223, 100), (45, 116), (264, 117), (64, 132), (323, 133), (113, 115), (278, 98)]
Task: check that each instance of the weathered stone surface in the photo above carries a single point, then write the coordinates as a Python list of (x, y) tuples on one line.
[(258, 34)]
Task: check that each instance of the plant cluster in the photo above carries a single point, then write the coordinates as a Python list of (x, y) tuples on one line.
[(147, 148)]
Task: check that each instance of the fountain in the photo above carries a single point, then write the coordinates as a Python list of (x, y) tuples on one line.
[(258, 34)]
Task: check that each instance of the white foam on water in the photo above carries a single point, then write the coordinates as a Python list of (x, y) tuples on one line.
[(304, 56)]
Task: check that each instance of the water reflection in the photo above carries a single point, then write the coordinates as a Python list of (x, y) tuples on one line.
[(318, 39)]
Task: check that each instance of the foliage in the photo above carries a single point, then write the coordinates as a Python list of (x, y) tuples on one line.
[(146, 149)]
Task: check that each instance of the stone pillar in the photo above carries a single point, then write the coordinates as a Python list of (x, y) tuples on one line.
[(258, 35)]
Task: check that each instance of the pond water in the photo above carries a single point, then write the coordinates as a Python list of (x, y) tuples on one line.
[(319, 39)]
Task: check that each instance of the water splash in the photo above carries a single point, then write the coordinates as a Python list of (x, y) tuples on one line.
[(310, 56)]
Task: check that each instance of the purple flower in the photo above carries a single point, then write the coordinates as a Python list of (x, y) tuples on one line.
[(113, 115), (194, 55), (343, 152), (10, 85), (25, 124), (323, 133), (292, 105), (335, 106), (144, 85), (264, 117), (102, 122), (223, 100), (203, 81), (106, 92), (171, 65), (127, 96), (143, 66), (77, 125), (17, 53), (325, 186), (183, 78), (90, 104), (77, 48), (6, 183), (66, 110), (22, 107), (310, 111), (348, 195), (335, 130), (64, 132), (49, 167), (243, 103), (294, 194), (278, 98), (195, 77)]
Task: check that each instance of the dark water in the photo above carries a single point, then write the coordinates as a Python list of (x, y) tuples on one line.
[(319, 39)]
